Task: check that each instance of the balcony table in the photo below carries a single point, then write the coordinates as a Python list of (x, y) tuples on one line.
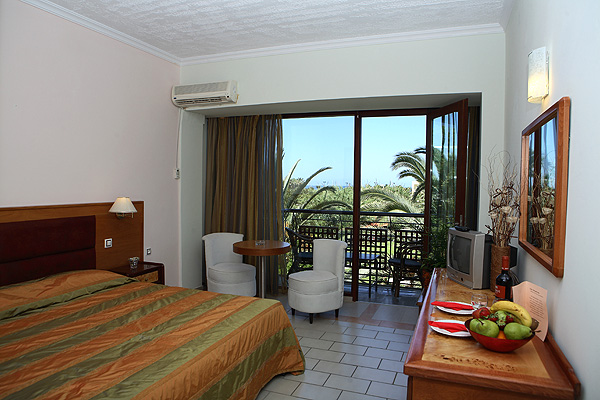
[(269, 248), (440, 366), (371, 261)]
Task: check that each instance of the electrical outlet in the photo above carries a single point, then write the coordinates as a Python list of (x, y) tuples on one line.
[(148, 251), (108, 243)]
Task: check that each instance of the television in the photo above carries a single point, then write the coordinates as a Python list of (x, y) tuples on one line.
[(468, 258)]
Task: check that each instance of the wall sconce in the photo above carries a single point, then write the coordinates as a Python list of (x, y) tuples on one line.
[(122, 206), (537, 82)]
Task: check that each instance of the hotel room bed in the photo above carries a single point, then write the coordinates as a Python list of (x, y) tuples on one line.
[(95, 334)]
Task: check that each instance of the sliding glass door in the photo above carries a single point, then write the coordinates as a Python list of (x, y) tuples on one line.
[(375, 171)]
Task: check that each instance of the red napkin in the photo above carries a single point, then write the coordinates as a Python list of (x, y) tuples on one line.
[(452, 305), (449, 326)]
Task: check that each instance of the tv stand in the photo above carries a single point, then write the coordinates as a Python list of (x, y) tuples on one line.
[(443, 367)]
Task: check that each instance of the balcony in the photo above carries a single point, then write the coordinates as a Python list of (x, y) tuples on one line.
[(383, 236)]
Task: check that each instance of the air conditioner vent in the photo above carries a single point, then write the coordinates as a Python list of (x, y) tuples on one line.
[(204, 93)]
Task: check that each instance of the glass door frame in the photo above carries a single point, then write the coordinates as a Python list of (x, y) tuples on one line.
[(460, 107), (430, 113), (359, 115)]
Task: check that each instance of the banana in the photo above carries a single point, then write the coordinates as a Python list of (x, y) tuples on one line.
[(516, 310), (516, 318)]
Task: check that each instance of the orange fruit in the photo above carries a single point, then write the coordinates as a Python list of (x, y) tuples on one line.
[(501, 335)]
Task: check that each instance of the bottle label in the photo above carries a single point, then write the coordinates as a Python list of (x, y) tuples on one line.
[(500, 292)]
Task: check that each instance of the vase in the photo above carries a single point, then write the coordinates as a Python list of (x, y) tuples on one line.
[(496, 263)]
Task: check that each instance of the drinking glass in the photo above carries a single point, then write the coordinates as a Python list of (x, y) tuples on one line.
[(479, 300), (133, 262)]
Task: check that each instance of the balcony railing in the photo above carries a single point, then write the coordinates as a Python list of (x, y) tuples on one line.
[(381, 236)]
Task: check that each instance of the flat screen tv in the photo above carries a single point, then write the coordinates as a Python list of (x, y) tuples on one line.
[(468, 258)]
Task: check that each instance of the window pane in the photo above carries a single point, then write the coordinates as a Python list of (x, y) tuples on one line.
[(390, 159), (311, 144), (444, 166)]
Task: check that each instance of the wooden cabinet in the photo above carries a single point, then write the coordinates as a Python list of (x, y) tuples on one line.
[(145, 272), (446, 367)]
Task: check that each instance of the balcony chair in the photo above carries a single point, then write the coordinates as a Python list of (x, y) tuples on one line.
[(406, 263), (316, 232), (322, 288), (225, 271), (372, 253), (302, 259)]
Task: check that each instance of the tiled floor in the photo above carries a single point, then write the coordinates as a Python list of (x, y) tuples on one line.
[(407, 296), (358, 356)]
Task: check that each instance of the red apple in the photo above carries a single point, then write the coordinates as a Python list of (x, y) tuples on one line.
[(482, 313)]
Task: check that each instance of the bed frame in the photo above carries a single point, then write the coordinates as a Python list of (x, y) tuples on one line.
[(125, 344), (42, 240)]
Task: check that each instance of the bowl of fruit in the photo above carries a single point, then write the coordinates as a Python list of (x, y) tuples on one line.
[(504, 327)]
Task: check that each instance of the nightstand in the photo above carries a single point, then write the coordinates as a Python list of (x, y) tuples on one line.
[(145, 272)]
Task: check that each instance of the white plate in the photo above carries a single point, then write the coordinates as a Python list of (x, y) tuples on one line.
[(458, 312), (445, 332)]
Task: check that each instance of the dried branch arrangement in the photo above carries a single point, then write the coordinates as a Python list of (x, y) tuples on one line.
[(504, 192)]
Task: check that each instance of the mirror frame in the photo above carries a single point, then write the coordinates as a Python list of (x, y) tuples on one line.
[(561, 111)]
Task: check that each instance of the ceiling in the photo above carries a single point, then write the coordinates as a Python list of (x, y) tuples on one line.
[(195, 31)]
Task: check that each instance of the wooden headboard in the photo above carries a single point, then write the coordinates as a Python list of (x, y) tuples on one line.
[(127, 234), (34, 249)]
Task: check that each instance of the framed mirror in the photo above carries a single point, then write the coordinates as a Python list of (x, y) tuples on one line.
[(544, 174)]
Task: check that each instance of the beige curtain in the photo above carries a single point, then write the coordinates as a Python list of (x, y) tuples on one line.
[(244, 181)]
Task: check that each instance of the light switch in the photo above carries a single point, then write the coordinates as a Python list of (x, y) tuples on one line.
[(108, 243)]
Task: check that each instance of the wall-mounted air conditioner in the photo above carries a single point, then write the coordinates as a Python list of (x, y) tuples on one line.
[(204, 94)]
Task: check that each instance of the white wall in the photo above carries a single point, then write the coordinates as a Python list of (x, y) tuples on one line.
[(84, 119), (444, 66), (192, 199), (571, 33)]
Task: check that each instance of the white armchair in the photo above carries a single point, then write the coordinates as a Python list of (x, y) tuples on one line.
[(225, 271), (322, 288)]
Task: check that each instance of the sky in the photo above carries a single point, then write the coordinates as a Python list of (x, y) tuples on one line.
[(328, 142)]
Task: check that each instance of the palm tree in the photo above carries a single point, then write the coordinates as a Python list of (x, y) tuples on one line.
[(411, 165), (296, 196), (389, 200), (293, 197), (386, 200)]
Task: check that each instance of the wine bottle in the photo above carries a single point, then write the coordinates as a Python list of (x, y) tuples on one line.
[(504, 282)]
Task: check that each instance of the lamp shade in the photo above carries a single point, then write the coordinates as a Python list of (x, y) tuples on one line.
[(537, 80), (122, 206)]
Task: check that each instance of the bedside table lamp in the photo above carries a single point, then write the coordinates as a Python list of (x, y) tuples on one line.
[(122, 206)]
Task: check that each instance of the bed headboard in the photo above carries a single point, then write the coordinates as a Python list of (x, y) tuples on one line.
[(33, 249), (127, 233)]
